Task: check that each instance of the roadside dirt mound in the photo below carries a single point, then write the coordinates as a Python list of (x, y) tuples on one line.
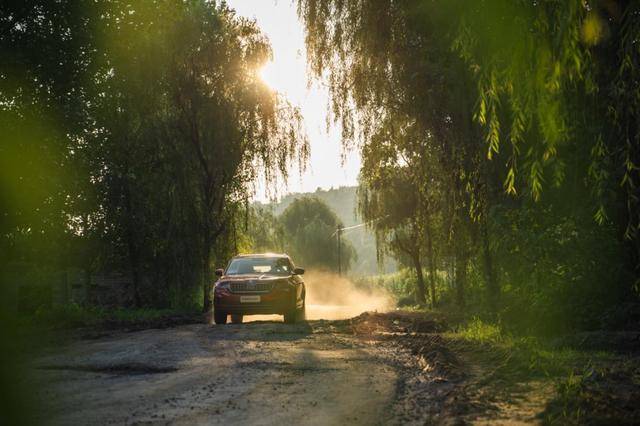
[(413, 332), (432, 377), (395, 322), (416, 332)]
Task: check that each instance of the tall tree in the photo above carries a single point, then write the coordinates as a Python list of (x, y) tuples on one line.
[(154, 114)]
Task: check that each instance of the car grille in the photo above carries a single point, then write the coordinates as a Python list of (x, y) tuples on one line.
[(245, 287)]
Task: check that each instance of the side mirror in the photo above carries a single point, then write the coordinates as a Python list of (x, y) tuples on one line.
[(298, 271), (219, 272)]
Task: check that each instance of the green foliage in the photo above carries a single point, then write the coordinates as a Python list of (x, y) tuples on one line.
[(69, 315), (492, 134), (554, 279), (265, 231), (479, 331), (401, 285)]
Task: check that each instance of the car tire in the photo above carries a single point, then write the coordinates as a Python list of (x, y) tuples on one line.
[(302, 312), (290, 316), (296, 315), (236, 319), (220, 317)]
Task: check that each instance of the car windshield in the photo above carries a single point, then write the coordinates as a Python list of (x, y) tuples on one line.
[(259, 265)]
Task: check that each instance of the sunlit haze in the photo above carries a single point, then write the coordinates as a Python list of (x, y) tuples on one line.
[(329, 166)]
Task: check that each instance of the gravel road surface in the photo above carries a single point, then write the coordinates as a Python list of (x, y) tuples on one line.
[(264, 372)]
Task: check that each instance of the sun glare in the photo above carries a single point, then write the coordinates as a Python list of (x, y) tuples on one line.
[(287, 76), (269, 75)]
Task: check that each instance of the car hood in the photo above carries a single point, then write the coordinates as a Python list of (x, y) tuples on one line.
[(253, 277)]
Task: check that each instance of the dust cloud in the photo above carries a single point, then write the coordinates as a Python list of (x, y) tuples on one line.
[(330, 296)]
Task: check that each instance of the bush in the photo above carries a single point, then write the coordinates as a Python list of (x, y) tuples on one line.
[(74, 316), (479, 331), (68, 316), (400, 285)]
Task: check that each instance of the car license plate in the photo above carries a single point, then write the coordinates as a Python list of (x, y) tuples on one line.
[(249, 299)]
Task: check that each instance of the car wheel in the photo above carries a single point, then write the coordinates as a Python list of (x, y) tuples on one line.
[(290, 316), (236, 319), (220, 317), (295, 315), (302, 312)]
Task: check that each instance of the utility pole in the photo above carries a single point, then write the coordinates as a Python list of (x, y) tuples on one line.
[(339, 231)]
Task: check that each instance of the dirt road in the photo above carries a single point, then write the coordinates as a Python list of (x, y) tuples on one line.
[(258, 373), (392, 368)]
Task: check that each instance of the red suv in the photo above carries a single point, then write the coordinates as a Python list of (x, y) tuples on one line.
[(259, 284)]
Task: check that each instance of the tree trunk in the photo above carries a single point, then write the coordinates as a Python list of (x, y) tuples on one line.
[(134, 255), (493, 290), (461, 277), (206, 281), (206, 267), (420, 287), (134, 260), (432, 270)]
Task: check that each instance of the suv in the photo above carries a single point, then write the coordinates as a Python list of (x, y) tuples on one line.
[(259, 284)]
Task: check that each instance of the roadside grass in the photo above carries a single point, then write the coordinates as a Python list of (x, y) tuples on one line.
[(588, 386), (583, 378), (72, 315), (517, 356), (566, 407), (49, 328)]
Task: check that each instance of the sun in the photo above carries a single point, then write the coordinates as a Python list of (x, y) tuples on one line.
[(269, 75), (286, 75)]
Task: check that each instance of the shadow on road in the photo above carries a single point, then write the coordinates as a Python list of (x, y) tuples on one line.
[(263, 331)]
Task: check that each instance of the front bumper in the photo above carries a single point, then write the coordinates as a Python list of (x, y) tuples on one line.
[(275, 302)]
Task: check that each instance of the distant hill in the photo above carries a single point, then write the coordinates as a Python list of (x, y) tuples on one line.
[(343, 202)]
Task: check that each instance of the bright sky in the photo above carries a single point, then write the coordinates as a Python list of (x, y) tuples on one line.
[(288, 75)]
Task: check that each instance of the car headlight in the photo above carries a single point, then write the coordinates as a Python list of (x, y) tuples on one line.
[(223, 285)]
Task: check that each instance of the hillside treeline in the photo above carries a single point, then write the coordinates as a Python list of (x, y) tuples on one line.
[(500, 147), (305, 230), (344, 202), (131, 137)]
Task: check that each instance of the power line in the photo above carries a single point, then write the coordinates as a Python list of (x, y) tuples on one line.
[(341, 230), (354, 226), (360, 225)]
